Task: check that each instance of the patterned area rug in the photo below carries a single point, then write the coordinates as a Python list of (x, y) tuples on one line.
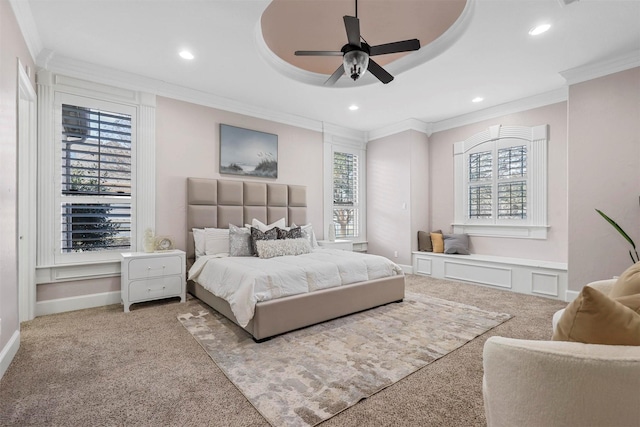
[(307, 376)]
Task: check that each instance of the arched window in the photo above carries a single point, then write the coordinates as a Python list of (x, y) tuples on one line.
[(501, 183)]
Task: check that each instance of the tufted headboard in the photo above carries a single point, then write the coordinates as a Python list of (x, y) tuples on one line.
[(217, 203)]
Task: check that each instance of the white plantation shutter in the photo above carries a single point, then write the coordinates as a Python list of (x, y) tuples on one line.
[(345, 194), (96, 175)]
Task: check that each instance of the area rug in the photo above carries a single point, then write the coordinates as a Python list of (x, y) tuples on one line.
[(307, 376)]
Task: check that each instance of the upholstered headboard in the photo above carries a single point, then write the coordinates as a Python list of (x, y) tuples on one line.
[(218, 203)]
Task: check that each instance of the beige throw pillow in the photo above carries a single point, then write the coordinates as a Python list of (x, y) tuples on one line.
[(594, 318), (628, 283), (631, 301), (438, 243)]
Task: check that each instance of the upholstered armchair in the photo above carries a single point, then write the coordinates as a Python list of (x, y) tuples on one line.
[(561, 383)]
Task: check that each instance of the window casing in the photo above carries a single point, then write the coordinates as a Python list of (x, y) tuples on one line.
[(95, 144), (96, 176), (344, 160), (346, 189), (501, 183)]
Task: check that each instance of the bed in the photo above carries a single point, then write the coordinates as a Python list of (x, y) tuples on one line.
[(213, 203)]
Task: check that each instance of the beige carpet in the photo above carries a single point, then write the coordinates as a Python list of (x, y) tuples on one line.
[(103, 367), (304, 377)]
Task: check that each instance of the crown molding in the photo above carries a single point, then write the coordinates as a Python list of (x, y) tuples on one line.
[(409, 124), (22, 11), (344, 136), (601, 68), (86, 71), (536, 101)]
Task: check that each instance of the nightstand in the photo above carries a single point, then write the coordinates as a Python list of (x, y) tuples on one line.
[(150, 276), (345, 245)]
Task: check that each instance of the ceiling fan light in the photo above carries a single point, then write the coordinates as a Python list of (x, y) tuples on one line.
[(355, 63)]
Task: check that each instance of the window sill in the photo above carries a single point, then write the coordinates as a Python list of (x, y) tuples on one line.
[(73, 272), (538, 232)]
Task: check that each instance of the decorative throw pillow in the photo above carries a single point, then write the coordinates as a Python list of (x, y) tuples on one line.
[(438, 242), (198, 240), (594, 318), (307, 232), (283, 247), (456, 244), (631, 301), (292, 233), (628, 283), (216, 241), (257, 235), (239, 241), (263, 227), (424, 241)]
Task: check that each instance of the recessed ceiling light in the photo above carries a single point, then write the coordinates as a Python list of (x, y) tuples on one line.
[(539, 29), (185, 54), (353, 107), (477, 99)]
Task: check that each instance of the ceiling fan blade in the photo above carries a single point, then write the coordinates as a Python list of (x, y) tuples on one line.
[(318, 53), (379, 72), (401, 46), (352, 25), (335, 76)]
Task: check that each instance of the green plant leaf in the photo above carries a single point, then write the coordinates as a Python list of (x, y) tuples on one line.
[(618, 228)]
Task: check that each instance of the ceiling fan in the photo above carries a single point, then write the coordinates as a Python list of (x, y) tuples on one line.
[(356, 53)]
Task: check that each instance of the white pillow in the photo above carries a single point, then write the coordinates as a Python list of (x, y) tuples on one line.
[(263, 227), (198, 239), (216, 241), (307, 231), (284, 247)]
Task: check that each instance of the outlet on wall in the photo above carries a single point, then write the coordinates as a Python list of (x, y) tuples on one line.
[(395, 254)]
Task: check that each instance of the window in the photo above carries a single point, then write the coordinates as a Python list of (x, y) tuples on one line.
[(501, 182), (504, 197), (96, 180), (345, 194), (96, 176)]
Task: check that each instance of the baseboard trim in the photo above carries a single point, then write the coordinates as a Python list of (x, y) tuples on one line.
[(9, 352), (62, 305), (571, 295), (407, 269)]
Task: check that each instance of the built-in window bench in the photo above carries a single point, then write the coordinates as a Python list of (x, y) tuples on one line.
[(525, 276)]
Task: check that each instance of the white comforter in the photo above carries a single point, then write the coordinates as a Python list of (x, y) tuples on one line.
[(244, 281)]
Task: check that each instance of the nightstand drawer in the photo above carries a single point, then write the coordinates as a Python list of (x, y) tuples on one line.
[(140, 290), (143, 268)]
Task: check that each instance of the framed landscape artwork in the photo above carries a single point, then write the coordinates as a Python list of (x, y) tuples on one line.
[(248, 152)]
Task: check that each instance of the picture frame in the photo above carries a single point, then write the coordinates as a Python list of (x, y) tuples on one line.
[(163, 243), (248, 152)]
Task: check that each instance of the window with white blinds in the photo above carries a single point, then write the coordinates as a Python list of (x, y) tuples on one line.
[(504, 197), (345, 194), (501, 184), (96, 176)]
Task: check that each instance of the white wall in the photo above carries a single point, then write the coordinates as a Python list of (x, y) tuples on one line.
[(604, 173), (188, 146), (397, 194)]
